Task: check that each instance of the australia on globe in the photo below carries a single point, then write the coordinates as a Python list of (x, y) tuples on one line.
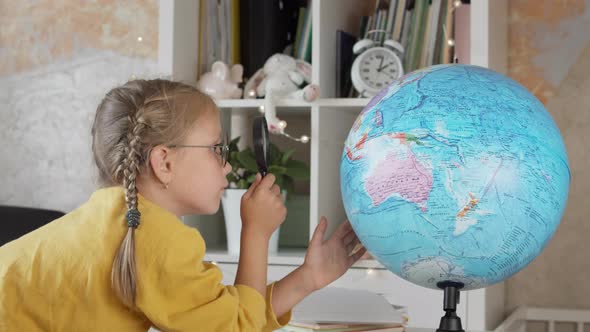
[(454, 173)]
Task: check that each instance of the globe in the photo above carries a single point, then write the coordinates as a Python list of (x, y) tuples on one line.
[(454, 173)]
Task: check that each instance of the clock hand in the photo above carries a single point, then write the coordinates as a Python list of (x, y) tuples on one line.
[(381, 68), (380, 64)]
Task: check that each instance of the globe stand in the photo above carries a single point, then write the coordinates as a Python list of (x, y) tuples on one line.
[(450, 322)]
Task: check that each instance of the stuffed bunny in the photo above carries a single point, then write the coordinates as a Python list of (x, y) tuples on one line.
[(281, 78), (222, 82)]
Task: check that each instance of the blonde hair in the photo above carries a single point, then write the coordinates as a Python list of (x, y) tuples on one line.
[(129, 122)]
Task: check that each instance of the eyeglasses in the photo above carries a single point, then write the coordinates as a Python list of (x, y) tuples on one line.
[(222, 150)]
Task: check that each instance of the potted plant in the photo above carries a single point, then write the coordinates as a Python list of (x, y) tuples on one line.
[(244, 169)]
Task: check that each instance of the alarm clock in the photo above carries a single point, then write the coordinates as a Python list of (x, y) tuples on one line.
[(376, 66)]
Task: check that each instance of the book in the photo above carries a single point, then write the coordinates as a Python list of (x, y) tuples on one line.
[(405, 33), (333, 305), (351, 328), (298, 31), (431, 33), (400, 16), (419, 22), (391, 15), (304, 46)]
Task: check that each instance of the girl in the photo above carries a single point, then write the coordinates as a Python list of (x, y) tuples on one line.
[(123, 261)]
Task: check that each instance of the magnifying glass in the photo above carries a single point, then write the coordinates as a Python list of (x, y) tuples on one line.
[(261, 144)]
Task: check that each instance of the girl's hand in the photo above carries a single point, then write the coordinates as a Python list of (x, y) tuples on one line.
[(262, 208), (326, 261)]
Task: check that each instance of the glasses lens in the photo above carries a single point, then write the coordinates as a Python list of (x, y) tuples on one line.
[(222, 152), (224, 155), (225, 150), (218, 149)]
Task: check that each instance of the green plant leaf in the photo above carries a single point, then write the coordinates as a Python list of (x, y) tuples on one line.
[(275, 154), (251, 178), (297, 170), (246, 158), (233, 145), (231, 177), (233, 159), (242, 184), (281, 165), (286, 156), (277, 170)]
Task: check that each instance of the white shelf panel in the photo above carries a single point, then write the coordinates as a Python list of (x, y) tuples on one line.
[(323, 102), (344, 102), (292, 257)]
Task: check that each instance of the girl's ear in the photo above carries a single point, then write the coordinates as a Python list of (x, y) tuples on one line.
[(161, 160)]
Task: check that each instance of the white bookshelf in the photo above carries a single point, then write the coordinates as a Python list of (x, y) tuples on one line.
[(327, 121)]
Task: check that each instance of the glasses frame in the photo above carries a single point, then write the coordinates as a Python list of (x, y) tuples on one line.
[(224, 150)]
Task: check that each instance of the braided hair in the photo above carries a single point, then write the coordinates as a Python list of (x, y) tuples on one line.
[(129, 122)]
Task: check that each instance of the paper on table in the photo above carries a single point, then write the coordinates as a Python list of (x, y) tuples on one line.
[(345, 306)]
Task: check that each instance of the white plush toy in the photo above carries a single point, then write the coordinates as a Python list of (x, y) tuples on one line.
[(281, 78), (222, 81)]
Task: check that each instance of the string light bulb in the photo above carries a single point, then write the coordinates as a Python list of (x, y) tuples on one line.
[(140, 39), (457, 3), (303, 138), (278, 126)]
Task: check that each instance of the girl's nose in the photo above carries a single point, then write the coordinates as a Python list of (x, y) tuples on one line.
[(227, 168)]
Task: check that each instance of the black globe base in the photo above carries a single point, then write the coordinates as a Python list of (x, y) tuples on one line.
[(450, 322)]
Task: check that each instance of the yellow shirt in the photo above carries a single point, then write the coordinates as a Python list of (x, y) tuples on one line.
[(57, 278)]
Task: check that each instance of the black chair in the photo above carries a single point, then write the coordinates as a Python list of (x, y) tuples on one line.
[(17, 221)]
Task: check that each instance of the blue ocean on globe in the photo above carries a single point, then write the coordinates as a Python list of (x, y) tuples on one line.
[(454, 173)]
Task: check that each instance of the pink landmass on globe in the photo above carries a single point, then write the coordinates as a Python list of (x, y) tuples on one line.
[(404, 177)]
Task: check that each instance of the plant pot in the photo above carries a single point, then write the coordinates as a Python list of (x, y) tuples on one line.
[(233, 222)]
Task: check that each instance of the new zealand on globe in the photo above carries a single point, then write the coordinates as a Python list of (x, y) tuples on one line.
[(454, 174)]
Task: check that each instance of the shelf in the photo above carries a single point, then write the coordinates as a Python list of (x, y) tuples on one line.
[(297, 104), (291, 257), (344, 102), (256, 103)]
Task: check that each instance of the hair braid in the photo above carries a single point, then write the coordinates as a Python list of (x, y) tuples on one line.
[(124, 273), (133, 160)]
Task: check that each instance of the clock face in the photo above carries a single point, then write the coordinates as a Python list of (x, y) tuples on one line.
[(379, 67)]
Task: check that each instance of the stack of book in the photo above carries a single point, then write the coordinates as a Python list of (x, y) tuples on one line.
[(427, 29), (423, 27), (345, 310), (342, 328)]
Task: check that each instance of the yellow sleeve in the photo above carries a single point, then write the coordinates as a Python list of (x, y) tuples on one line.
[(272, 322), (176, 291)]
